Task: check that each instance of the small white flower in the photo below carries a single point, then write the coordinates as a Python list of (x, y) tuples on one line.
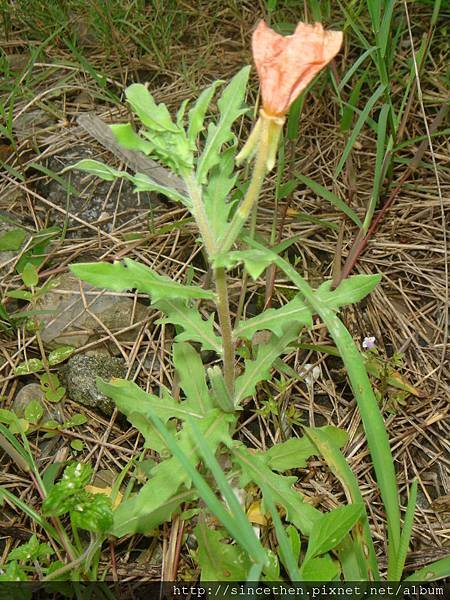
[(369, 343), (310, 374)]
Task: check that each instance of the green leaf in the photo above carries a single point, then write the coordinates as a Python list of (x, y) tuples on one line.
[(158, 498), (253, 468), (31, 551), (128, 138), (230, 107), (93, 512), (220, 561), (155, 117), (191, 371), (320, 569), (332, 198), (14, 573), (275, 319), (221, 181), (12, 239), (20, 295), (259, 369), (440, 569), (291, 454), (196, 328), (67, 492), (60, 354), (74, 421), (350, 291), (255, 261), (219, 391), (94, 167), (34, 411), (130, 274), (331, 528), (358, 126), (33, 365), (198, 111), (30, 275), (77, 445)]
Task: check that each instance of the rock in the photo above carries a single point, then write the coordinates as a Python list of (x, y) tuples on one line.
[(79, 376), (67, 322), (33, 391)]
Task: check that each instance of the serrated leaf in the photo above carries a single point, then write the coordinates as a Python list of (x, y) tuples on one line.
[(33, 365), (60, 354), (253, 468), (275, 319), (350, 291), (66, 492), (220, 561), (12, 239), (259, 369), (230, 107), (331, 528), (221, 181), (31, 550), (196, 328), (128, 138), (152, 115), (157, 495), (130, 274), (255, 261), (198, 111), (93, 512), (291, 454), (191, 371)]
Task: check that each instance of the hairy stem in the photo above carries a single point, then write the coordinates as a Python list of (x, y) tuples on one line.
[(223, 308)]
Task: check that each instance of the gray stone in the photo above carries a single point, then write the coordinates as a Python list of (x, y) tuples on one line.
[(79, 375), (67, 321), (33, 391)]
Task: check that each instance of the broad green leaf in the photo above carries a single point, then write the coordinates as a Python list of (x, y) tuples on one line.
[(198, 111), (221, 181), (275, 319), (230, 107), (320, 569), (77, 445), (14, 573), (12, 239), (67, 492), (255, 261), (440, 569), (219, 392), (128, 138), (94, 167), (294, 544), (20, 295), (259, 369), (254, 469), (93, 512), (33, 365), (291, 454), (196, 328), (191, 371), (220, 561), (153, 116), (130, 274), (332, 198), (30, 275), (140, 513), (60, 354), (331, 528), (74, 421), (34, 411), (350, 291)]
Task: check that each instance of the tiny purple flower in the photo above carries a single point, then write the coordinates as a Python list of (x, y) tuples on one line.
[(368, 343)]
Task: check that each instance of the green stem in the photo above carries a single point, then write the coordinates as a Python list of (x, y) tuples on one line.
[(223, 309), (200, 216), (259, 171)]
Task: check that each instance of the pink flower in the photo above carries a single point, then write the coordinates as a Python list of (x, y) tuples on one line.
[(368, 343), (286, 65)]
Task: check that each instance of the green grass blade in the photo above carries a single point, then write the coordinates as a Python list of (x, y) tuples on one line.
[(358, 126), (285, 547), (354, 68), (406, 534), (332, 198), (437, 570)]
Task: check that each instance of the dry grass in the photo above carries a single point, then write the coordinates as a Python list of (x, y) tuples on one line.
[(407, 313)]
